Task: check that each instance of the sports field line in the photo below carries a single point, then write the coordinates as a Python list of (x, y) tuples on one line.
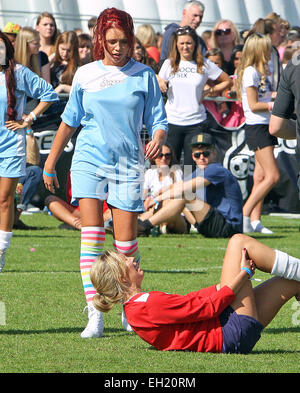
[(189, 270)]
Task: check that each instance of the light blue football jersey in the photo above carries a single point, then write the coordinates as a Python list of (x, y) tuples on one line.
[(28, 84), (111, 104)]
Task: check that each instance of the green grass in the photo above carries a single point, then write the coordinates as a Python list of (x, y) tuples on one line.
[(43, 298)]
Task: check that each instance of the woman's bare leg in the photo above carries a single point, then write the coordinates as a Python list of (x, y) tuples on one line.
[(63, 211), (266, 163), (7, 194), (264, 301)]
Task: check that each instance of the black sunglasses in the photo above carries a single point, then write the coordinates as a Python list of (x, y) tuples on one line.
[(205, 153), (223, 31), (184, 30), (166, 155)]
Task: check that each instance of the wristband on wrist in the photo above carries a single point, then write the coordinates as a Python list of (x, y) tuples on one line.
[(49, 174), (29, 131), (33, 116), (270, 106), (155, 201), (248, 271)]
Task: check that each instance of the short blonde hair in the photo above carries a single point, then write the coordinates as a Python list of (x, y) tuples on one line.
[(146, 34), (108, 276), (214, 39)]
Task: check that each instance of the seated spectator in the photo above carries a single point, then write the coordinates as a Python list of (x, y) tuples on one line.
[(85, 49), (225, 36), (212, 194), (27, 53), (11, 30), (227, 317), (158, 178), (47, 29), (65, 62), (146, 35)]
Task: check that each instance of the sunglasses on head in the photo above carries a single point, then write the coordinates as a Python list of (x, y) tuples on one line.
[(205, 154), (183, 30), (166, 155), (223, 31)]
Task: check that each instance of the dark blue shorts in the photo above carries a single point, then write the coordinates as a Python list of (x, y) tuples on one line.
[(240, 332)]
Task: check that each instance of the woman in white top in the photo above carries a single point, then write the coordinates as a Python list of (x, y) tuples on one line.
[(186, 72), (255, 88)]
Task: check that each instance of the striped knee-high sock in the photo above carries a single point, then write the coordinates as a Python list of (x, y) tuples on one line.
[(129, 248), (92, 241)]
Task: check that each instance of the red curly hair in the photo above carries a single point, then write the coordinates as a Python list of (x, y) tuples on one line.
[(112, 18)]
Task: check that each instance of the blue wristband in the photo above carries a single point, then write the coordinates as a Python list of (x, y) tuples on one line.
[(49, 174), (156, 202), (250, 274)]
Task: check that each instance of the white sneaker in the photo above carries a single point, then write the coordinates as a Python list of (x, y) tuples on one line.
[(2, 259), (258, 227), (125, 323), (193, 229), (163, 229), (95, 326)]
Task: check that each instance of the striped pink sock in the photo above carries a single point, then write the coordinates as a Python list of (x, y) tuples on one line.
[(92, 241), (129, 248)]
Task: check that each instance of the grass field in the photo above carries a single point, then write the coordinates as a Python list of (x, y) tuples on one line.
[(41, 293)]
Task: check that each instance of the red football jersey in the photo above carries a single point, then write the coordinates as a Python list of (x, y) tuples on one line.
[(180, 322)]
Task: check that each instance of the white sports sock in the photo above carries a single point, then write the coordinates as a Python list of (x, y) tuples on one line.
[(247, 225), (286, 266)]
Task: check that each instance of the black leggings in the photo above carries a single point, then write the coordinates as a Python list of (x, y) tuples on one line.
[(179, 137)]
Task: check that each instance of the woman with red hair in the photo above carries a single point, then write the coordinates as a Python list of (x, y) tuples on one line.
[(111, 98), (17, 83)]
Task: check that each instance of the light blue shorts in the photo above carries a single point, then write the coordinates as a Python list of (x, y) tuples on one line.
[(124, 195), (12, 167)]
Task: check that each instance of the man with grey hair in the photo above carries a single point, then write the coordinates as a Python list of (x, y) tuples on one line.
[(192, 16)]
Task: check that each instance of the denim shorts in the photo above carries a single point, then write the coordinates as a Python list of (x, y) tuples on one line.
[(240, 332)]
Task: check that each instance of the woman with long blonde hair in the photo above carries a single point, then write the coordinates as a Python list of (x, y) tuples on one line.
[(66, 61), (27, 52), (228, 317), (256, 91)]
